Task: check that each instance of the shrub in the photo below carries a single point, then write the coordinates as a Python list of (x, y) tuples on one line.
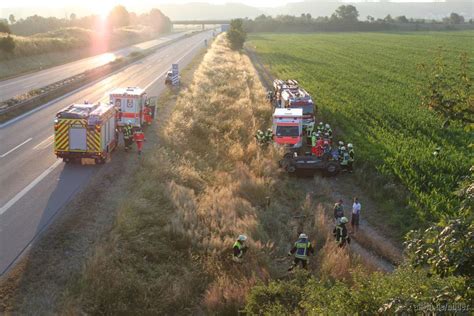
[(7, 44)]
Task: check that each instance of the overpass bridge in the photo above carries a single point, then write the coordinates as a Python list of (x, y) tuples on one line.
[(203, 23)]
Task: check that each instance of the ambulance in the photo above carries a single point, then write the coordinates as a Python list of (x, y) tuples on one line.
[(85, 131), (288, 127), (131, 106)]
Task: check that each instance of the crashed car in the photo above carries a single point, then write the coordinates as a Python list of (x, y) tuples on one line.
[(293, 163), (168, 78)]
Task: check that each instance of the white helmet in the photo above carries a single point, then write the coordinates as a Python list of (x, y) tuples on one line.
[(344, 220), (343, 148), (303, 236), (242, 238), (327, 126), (349, 145), (341, 143), (321, 123)]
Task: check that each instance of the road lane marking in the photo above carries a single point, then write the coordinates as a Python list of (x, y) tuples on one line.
[(13, 149), (49, 141), (30, 186)]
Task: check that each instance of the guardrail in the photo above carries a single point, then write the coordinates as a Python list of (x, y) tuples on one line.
[(34, 98)]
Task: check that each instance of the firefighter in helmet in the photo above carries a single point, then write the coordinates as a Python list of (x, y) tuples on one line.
[(127, 135), (239, 249), (301, 249)]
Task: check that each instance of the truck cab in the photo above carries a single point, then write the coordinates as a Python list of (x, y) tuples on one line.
[(299, 98), (288, 127)]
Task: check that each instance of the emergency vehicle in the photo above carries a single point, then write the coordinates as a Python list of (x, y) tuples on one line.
[(299, 98), (85, 131), (131, 105), (288, 127), (280, 85)]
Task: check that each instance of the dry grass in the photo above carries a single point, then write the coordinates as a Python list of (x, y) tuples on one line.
[(205, 183)]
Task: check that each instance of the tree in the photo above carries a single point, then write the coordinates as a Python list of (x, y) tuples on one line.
[(7, 44), (446, 248), (370, 18), (4, 28), (236, 34), (12, 19), (455, 18), (73, 16), (402, 19), (347, 13), (388, 18), (158, 21), (118, 17), (449, 91)]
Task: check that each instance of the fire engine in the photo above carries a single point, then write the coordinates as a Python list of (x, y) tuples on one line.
[(85, 131), (299, 98)]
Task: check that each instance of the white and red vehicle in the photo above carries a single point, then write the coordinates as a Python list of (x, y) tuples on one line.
[(288, 127), (280, 85), (299, 98), (130, 104)]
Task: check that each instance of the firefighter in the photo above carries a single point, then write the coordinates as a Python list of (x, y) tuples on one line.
[(338, 210), (344, 159), (127, 135), (139, 138), (321, 127), (314, 138), (340, 232), (148, 115), (269, 136), (351, 157), (327, 129), (339, 148), (317, 150), (239, 249), (301, 249), (259, 136)]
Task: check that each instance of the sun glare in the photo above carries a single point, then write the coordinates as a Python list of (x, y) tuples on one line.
[(102, 8)]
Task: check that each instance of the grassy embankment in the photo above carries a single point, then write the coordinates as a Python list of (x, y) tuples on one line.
[(204, 182), (365, 85), (49, 49)]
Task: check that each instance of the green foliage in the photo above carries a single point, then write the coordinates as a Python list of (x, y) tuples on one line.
[(118, 17), (236, 34), (4, 28), (406, 290), (365, 84), (449, 91), (7, 44), (447, 248), (347, 13)]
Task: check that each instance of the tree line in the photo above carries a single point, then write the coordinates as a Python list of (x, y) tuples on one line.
[(346, 18), (119, 16)]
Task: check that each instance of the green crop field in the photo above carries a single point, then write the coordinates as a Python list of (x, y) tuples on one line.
[(365, 85)]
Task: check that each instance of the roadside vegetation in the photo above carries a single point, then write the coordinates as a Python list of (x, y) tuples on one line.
[(367, 86), (37, 43)]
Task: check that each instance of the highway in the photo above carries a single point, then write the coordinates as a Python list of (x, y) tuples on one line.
[(35, 185), (22, 84)]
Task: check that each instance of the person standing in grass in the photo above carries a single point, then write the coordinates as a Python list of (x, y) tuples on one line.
[(355, 215), (239, 249), (338, 210), (340, 232), (301, 249)]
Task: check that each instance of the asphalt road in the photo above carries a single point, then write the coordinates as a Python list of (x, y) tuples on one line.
[(34, 184), (19, 85)]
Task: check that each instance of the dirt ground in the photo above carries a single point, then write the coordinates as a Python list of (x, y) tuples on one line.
[(43, 276)]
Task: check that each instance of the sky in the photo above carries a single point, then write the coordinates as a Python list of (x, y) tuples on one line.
[(101, 4)]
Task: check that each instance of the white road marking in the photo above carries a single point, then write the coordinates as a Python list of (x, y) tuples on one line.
[(13, 149), (30, 186), (48, 142)]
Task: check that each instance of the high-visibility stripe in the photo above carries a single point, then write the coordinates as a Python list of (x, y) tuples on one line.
[(93, 140), (130, 114), (61, 136)]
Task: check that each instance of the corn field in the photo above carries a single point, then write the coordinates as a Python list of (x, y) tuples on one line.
[(365, 85)]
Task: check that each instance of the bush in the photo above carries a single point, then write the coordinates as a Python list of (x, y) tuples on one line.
[(7, 44), (236, 34)]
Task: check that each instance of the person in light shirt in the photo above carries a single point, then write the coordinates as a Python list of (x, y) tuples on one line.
[(355, 215)]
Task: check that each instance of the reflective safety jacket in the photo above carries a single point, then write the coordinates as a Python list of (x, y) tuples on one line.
[(340, 232), (127, 131), (302, 249), (345, 158), (351, 155), (238, 249)]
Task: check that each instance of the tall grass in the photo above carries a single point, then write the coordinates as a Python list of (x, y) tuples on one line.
[(203, 185)]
